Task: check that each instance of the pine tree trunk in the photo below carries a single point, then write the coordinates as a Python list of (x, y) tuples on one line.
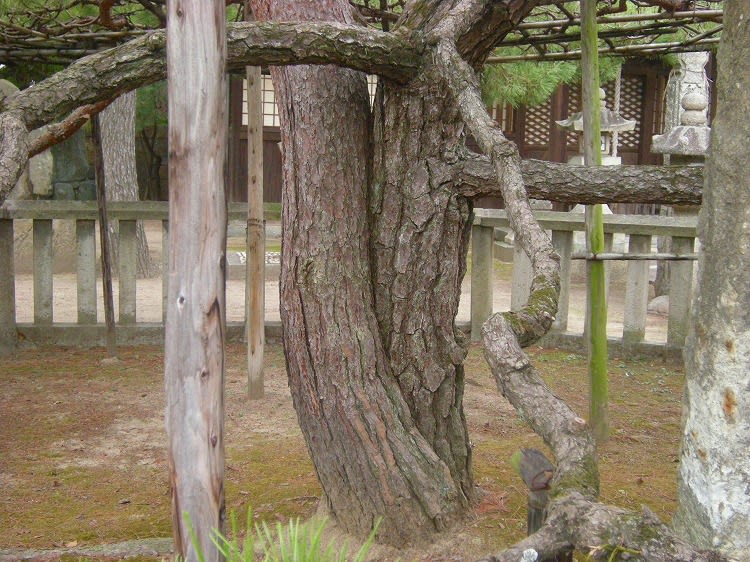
[(420, 235), (372, 458), (120, 176)]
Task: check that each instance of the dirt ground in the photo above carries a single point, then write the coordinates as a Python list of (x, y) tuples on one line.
[(82, 462)]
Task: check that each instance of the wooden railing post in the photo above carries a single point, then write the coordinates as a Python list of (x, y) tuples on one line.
[(128, 268), (680, 293), (164, 268), (521, 278), (42, 271), (482, 239), (562, 241), (8, 332), (636, 293), (86, 271)]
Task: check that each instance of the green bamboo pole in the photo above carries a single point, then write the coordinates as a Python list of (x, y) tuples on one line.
[(597, 301)]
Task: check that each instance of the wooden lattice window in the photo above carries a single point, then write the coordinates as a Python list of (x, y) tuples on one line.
[(537, 125), (270, 111), (504, 115), (631, 107)]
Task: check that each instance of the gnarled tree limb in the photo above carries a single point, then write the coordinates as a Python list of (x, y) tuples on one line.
[(58, 132), (142, 61), (675, 185), (575, 519)]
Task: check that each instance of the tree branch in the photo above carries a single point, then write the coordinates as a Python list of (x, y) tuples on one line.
[(674, 185), (574, 519), (142, 61), (58, 132), (475, 26)]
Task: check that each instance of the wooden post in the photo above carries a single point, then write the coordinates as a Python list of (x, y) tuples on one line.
[(86, 271), (536, 472), (562, 240), (597, 300), (42, 271), (105, 240), (8, 331), (128, 253), (195, 328), (680, 293), (636, 293), (255, 278), (481, 278), (520, 286)]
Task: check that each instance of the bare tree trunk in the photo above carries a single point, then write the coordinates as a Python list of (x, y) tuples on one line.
[(714, 498), (371, 459), (120, 175), (421, 230), (194, 339)]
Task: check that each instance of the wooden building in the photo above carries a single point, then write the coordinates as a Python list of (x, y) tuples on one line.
[(642, 93)]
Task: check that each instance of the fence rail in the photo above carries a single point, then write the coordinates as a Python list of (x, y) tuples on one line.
[(640, 229), (87, 330)]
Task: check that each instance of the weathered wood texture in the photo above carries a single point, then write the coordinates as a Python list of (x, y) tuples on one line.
[(194, 339), (14, 150), (255, 276)]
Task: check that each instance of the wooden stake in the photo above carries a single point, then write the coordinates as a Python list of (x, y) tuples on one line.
[(105, 240), (255, 278), (597, 299), (195, 327)]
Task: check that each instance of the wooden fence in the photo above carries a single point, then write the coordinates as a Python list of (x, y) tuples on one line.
[(639, 230), (87, 330)]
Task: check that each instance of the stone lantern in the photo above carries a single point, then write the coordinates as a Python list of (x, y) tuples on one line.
[(686, 144), (611, 123)]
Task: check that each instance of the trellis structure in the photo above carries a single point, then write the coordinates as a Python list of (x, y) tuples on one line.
[(552, 32)]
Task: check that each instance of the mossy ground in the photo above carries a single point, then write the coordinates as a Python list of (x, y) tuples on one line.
[(82, 457)]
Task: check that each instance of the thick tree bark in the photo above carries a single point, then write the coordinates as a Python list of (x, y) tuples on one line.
[(371, 460), (714, 497), (420, 231), (14, 150), (120, 176)]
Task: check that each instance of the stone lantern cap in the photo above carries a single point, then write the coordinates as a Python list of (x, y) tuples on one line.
[(611, 121), (691, 136)]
